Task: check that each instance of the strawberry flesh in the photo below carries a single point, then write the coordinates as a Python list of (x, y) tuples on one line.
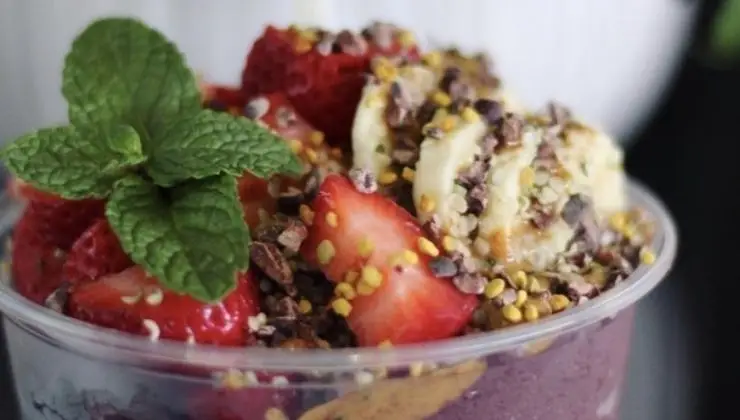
[(124, 301), (41, 240), (411, 305), (95, 254)]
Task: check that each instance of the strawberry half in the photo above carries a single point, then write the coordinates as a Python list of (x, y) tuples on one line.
[(133, 302), (41, 240), (410, 305), (322, 72), (95, 254)]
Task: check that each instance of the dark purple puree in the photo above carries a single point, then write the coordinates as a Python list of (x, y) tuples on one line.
[(578, 378)]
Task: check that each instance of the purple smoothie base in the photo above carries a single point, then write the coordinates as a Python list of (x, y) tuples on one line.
[(578, 377)]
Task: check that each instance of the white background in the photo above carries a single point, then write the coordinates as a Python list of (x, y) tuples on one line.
[(607, 59)]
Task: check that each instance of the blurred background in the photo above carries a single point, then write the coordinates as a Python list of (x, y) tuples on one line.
[(662, 75)]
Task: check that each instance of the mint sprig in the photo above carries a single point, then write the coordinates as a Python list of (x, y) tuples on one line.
[(193, 239), (139, 137), (74, 163), (214, 142)]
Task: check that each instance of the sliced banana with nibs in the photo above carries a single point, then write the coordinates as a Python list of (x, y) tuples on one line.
[(388, 101), (515, 189), (399, 99)]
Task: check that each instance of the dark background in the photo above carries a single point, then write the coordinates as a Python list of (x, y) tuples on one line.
[(684, 367)]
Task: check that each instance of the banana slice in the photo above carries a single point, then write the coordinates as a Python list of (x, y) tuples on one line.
[(397, 92), (402, 98), (507, 203)]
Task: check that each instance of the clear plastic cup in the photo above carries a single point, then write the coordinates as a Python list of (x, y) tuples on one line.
[(568, 366)]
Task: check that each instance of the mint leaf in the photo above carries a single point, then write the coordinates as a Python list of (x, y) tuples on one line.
[(212, 142), (72, 162), (123, 71), (192, 237)]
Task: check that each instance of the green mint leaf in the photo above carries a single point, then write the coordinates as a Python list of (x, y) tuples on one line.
[(72, 162), (192, 237), (211, 143), (120, 70)]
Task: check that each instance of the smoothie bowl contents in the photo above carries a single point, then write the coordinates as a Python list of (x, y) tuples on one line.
[(361, 230)]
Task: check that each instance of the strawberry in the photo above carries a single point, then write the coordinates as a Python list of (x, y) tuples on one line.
[(41, 240), (326, 91), (95, 254), (410, 304), (130, 301), (322, 72), (277, 113), (268, 60), (23, 191)]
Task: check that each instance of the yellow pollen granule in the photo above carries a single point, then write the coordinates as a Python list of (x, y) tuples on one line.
[(427, 204), (494, 288), (408, 174), (364, 289), (647, 256), (371, 276), (365, 247), (441, 98), (332, 219), (559, 302), (410, 256), (342, 307), (530, 312), (312, 156), (295, 145), (433, 59), (449, 243), (526, 177), (448, 123), (511, 313), (304, 306), (306, 214), (387, 178), (469, 114), (317, 137), (345, 290), (427, 247), (325, 251), (406, 39)]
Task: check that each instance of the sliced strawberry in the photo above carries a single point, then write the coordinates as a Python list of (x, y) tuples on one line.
[(411, 305), (41, 240), (95, 254), (125, 300)]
